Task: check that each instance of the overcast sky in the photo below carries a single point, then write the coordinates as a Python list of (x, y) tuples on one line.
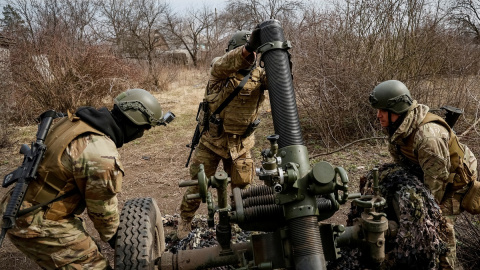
[(183, 5), (177, 5)]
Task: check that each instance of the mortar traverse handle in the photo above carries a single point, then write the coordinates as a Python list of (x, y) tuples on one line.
[(188, 183), (273, 138), (273, 144), (377, 216), (202, 182)]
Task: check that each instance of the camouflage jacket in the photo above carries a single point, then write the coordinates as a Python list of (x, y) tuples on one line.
[(429, 146), (96, 173), (225, 75)]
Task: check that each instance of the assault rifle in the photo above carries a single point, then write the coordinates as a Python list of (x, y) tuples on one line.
[(26, 173), (451, 115), (202, 120)]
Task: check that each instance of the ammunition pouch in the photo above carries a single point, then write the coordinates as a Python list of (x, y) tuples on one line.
[(215, 126), (251, 128), (242, 172), (471, 200), (461, 177)]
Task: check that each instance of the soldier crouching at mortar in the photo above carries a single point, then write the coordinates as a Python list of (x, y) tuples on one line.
[(426, 146), (80, 170)]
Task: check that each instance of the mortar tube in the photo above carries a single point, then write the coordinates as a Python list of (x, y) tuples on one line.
[(303, 226), (280, 87)]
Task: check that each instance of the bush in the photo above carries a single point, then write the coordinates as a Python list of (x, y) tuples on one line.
[(64, 78), (467, 230), (340, 56)]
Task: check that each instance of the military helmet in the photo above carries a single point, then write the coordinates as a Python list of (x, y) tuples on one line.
[(392, 96), (140, 107), (238, 39)]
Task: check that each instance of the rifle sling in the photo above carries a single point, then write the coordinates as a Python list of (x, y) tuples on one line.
[(232, 95), (35, 207)]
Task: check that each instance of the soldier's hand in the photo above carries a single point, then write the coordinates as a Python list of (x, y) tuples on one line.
[(254, 41)]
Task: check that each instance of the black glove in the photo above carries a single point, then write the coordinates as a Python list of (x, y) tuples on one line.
[(254, 41), (112, 240)]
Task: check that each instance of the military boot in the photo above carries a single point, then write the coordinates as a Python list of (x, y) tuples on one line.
[(184, 228)]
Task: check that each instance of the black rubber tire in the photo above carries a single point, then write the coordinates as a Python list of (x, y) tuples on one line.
[(141, 239)]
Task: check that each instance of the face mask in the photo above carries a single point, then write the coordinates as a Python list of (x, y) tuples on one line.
[(133, 132)]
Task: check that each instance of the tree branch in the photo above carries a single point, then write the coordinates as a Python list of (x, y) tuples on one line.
[(347, 145)]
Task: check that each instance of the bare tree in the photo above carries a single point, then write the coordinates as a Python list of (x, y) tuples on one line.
[(340, 55), (47, 20), (134, 26), (256, 11), (237, 16), (80, 15), (113, 20), (216, 33), (466, 15), (58, 62), (191, 31)]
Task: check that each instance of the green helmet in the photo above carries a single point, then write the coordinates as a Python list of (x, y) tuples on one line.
[(238, 39), (392, 96), (140, 107)]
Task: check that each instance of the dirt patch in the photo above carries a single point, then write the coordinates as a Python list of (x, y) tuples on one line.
[(155, 163)]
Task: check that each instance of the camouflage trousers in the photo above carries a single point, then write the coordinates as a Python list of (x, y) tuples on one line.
[(210, 161), (449, 259), (63, 253)]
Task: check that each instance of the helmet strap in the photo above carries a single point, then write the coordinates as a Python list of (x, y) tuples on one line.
[(393, 126)]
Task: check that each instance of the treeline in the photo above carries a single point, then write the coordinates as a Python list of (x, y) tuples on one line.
[(69, 53)]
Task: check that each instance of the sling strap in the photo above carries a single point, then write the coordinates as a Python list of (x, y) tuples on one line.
[(35, 207), (232, 95)]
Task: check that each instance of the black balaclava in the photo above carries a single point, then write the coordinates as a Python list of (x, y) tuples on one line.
[(130, 130), (112, 123), (103, 121)]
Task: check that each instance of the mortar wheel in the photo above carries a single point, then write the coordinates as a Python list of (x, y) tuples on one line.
[(140, 240)]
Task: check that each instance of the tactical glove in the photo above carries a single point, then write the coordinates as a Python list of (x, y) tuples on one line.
[(112, 240), (254, 41)]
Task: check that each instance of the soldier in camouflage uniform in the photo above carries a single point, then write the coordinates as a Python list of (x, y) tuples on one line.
[(425, 144), (231, 140), (81, 160)]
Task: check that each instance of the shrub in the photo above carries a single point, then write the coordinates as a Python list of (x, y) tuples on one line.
[(64, 78), (340, 56)]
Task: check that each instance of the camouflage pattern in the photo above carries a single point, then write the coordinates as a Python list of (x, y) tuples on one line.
[(225, 143), (449, 260), (210, 161), (242, 110), (423, 239), (430, 147), (93, 161), (65, 253)]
